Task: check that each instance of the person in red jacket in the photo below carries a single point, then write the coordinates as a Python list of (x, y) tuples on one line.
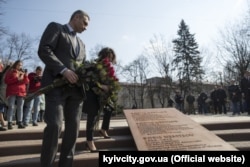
[(34, 104), (16, 80)]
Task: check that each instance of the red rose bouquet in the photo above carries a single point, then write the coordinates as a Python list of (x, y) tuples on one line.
[(105, 75)]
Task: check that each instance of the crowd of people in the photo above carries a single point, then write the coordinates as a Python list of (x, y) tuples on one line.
[(16, 83), (233, 98)]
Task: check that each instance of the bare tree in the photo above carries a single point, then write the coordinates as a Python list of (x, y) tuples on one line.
[(94, 51), (160, 55), (17, 47), (130, 73), (136, 73), (234, 49)]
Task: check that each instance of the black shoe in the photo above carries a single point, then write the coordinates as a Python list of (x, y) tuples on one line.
[(35, 124), (2, 129), (25, 124), (104, 135), (20, 126), (10, 125), (91, 150)]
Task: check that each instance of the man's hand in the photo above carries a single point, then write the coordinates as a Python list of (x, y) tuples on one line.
[(70, 76)]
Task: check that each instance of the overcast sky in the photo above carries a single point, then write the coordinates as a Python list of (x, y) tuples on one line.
[(125, 25)]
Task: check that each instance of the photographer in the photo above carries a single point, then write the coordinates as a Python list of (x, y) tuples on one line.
[(16, 80), (34, 85)]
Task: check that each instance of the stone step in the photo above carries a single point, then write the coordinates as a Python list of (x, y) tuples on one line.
[(121, 140), (226, 125), (21, 147), (33, 160), (34, 133), (241, 145), (233, 134), (26, 153), (9, 148)]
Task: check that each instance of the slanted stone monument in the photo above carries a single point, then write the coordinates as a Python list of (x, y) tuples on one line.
[(169, 129)]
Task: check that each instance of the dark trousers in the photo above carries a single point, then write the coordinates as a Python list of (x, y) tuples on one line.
[(91, 121), (222, 107), (216, 106), (64, 107), (247, 101), (106, 119), (191, 108), (202, 108)]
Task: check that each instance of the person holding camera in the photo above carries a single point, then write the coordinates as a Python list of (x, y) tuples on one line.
[(33, 86), (16, 80)]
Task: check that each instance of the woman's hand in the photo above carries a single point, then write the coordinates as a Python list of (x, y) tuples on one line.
[(105, 88), (20, 75)]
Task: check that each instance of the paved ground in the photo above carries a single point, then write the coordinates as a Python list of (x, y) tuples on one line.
[(219, 118)]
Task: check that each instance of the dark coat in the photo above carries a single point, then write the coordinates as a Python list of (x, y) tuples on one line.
[(245, 87), (91, 104), (234, 93), (178, 99), (58, 53), (221, 93), (202, 98), (190, 99)]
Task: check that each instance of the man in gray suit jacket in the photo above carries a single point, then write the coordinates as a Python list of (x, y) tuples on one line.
[(59, 48)]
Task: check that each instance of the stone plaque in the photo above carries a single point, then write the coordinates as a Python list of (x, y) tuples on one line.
[(169, 129)]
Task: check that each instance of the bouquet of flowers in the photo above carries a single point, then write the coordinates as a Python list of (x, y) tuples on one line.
[(83, 71), (100, 73), (105, 75)]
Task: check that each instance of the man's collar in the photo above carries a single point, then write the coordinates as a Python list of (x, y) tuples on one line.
[(70, 28)]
